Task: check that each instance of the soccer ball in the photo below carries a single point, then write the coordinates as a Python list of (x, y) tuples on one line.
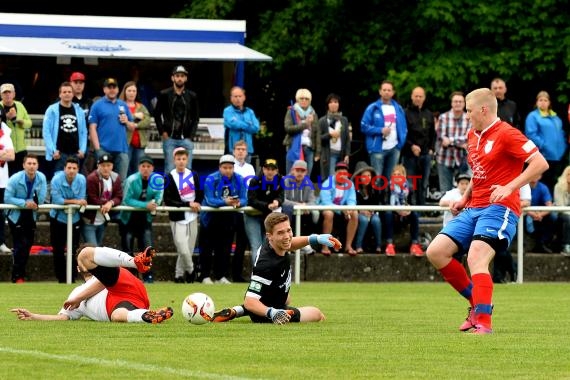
[(198, 308)]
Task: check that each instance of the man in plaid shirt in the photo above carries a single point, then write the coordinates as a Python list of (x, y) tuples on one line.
[(451, 145)]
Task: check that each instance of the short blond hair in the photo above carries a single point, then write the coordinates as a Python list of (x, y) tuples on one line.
[(401, 168), (303, 93), (483, 97)]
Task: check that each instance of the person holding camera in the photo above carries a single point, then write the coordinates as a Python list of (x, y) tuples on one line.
[(221, 188)]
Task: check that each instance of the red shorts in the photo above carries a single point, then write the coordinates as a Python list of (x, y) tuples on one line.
[(128, 288)]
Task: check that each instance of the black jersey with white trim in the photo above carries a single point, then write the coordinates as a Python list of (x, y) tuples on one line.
[(271, 277)]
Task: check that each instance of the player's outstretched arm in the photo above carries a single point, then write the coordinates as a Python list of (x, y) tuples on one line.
[(26, 315), (277, 316), (324, 239)]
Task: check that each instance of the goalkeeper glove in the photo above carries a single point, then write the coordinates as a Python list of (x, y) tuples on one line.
[(278, 316), (324, 239)]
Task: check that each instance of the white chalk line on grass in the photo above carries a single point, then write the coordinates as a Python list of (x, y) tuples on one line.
[(121, 363)]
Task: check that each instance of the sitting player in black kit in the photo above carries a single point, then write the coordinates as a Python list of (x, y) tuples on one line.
[(267, 297)]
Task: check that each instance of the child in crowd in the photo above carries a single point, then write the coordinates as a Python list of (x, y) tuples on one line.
[(399, 193), (462, 180), (366, 194)]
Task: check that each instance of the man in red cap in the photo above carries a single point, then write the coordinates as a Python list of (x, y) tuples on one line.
[(77, 80)]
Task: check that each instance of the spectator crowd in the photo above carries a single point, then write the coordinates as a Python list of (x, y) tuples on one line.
[(95, 149)]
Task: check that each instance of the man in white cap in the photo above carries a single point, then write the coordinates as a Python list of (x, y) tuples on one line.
[(221, 188), (247, 171), (299, 190), (176, 117), (18, 120)]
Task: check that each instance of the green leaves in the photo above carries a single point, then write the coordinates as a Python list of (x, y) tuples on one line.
[(439, 44)]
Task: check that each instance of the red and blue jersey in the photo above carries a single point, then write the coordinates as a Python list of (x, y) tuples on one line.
[(497, 155)]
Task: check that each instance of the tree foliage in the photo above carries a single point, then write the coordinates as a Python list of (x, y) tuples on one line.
[(441, 45)]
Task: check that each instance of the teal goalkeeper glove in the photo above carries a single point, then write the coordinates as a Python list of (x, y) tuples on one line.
[(278, 316), (324, 239)]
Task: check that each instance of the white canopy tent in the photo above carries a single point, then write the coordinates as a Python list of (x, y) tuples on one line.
[(91, 37)]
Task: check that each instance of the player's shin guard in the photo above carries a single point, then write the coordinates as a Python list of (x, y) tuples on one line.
[(482, 298), (456, 275)]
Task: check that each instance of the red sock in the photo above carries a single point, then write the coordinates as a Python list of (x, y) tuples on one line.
[(456, 275), (483, 298)]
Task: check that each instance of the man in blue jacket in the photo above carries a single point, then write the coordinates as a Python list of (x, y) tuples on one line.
[(240, 122), (222, 188), (64, 129), (68, 187), (27, 188), (384, 128)]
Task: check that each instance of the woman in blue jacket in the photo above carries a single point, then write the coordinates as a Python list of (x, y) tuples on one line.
[(544, 128)]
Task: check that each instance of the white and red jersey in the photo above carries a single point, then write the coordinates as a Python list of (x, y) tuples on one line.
[(128, 288), (497, 155), (99, 307), (94, 308)]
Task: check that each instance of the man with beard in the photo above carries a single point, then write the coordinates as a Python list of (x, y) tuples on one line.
[(176, 117)]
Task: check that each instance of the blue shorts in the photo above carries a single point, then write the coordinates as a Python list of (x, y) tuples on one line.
[(493, 223)]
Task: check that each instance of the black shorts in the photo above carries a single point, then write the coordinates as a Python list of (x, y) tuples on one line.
[(107, 275)]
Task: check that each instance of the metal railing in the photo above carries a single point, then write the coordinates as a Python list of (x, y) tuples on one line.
[(298, 211), (69, 210)]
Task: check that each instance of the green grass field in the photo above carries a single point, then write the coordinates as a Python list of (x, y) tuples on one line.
[(372, 331)]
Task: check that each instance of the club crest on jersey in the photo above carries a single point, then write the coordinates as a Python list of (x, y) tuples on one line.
[(488, 146)]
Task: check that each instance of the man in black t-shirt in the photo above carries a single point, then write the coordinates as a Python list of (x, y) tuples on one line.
[(506, 108), (267, 297), (64, 129)]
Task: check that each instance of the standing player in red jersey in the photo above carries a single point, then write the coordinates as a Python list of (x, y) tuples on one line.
[(497, 154)]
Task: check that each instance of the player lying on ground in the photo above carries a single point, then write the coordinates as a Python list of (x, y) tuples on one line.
[(110, 292), (267, 297)]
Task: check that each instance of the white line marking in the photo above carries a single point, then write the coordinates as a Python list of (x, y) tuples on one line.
[(122, 363)]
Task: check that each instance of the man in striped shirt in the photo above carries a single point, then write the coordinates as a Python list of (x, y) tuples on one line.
[(451, 144)]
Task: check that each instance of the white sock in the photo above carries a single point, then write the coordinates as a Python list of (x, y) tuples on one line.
[(110, 257), (135, 316), (239, 311)]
